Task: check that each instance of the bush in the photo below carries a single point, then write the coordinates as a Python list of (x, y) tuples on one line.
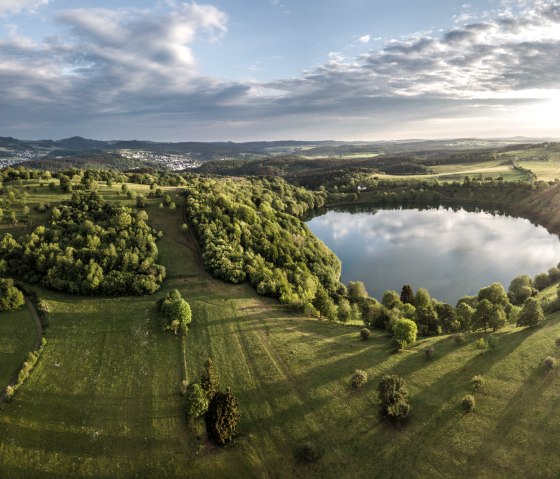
[(365, 333), (222, 417), (209, 379), (480, 343), (492, 341), (557, 341), (429, 352), (183, 387), (549, 363), (477, 382), (307, 452), (359, 378), (196, 403), (393, 397), (10, 392), (459, 338), (468, 403)]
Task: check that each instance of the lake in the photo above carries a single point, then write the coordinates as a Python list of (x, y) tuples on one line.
[(451, 253)]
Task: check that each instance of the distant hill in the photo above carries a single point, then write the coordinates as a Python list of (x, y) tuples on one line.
[(257, 157)]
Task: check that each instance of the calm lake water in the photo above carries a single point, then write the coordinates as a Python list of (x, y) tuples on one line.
[(449, 253)]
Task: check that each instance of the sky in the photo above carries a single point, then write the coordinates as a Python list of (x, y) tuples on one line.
[(244, 70)]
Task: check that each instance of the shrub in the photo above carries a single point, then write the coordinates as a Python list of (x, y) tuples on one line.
[(492, 341), (222, 417), (549, 363), (209, 379), (10, 392), (557, 341), (429, 352), (196, 403), (307, 452), (183, 387), (468, 403), (393, 397), (459, 338), (184, 228), (477, 382), (480, 343), (365, 333), (359, 378)]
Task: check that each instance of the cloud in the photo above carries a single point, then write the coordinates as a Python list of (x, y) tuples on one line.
[(132, 72), (364, 39), (18, 6)]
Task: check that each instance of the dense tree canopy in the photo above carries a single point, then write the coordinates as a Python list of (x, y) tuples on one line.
[(89, 247), (250, 229)]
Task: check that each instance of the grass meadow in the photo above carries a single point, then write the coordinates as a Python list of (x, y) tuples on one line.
[(18, 336)]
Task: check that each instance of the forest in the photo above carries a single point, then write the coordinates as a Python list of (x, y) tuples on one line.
[(88, 247), (252, 229)]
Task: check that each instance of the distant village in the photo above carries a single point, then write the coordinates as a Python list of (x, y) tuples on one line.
[(172, 161)]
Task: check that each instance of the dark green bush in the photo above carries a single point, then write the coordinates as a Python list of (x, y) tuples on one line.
[(393, 398), (359, 378), (307, 452), (549, 363), (477, 382), (222, 417), (468, 403), (459, 338)]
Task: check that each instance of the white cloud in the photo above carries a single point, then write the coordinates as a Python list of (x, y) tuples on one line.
[(18, 6), (364, 39), (137, 67)]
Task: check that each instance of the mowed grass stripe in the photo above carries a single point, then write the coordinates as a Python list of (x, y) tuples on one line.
[(18, 336)]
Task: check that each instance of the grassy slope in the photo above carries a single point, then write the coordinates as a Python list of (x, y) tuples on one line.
[(103, 403), (18, 335)]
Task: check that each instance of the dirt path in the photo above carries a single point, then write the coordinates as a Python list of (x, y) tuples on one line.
[(38, 325), (39, 328)]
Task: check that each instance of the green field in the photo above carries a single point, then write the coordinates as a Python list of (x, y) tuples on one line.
[(103, 399), (18, 336)]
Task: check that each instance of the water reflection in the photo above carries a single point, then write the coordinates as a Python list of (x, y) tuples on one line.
[(451, 253)]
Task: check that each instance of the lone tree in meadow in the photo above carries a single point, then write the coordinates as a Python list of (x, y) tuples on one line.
[(531, 313), (209, 379), (407, 295), (222, 417), (393, 397), (176, 312)]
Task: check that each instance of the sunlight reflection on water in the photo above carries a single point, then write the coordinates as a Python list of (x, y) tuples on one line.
[(449, 253)]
